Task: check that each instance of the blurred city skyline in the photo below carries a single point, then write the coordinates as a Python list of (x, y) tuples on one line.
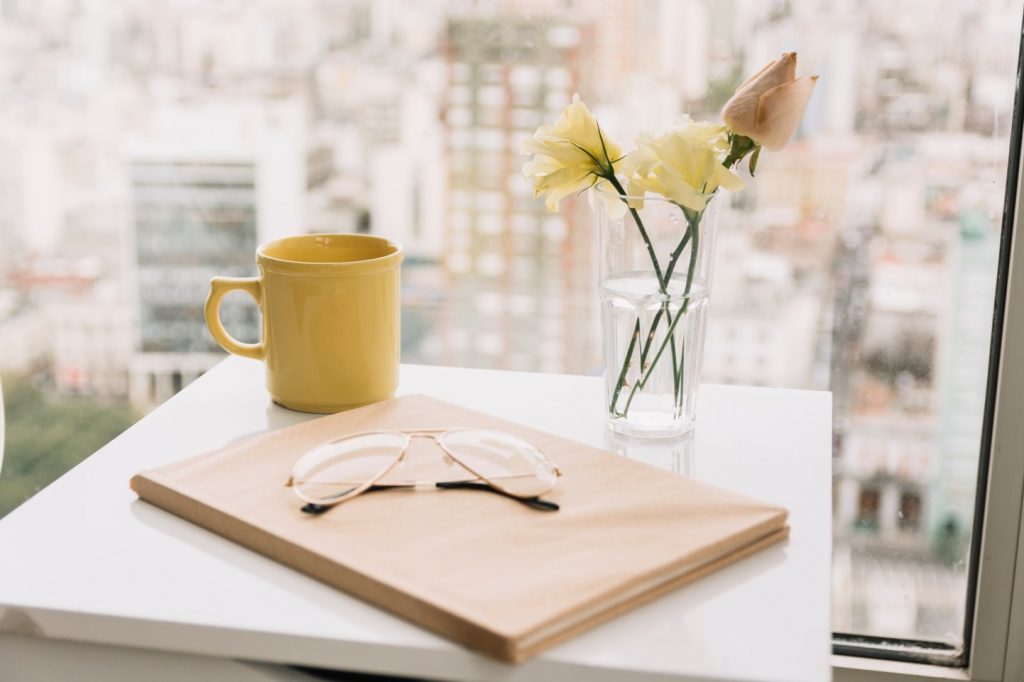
[(146, 147)]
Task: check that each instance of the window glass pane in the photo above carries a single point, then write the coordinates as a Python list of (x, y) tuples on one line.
[(147, 146)]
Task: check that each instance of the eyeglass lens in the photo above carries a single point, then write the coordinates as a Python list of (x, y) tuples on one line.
[(507, 462), (339, 468)]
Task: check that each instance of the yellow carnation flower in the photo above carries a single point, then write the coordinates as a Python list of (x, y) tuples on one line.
[(569, 156), (683, 165)]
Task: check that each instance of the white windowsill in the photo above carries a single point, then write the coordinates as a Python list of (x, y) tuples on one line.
[(857, 669)]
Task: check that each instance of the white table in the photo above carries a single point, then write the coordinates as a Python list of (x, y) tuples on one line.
[(95, 584)]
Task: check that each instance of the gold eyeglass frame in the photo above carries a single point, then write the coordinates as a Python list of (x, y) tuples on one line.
[(436, 435)]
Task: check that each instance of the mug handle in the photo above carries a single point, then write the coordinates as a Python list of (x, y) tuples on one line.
[(218, 287)]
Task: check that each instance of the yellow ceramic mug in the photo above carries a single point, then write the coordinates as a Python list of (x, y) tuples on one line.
[(330, 306)]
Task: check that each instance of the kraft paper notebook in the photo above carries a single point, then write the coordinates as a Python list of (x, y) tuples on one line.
[(478, 568)]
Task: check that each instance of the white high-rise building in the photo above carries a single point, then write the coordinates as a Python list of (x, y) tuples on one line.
[(209, 183)]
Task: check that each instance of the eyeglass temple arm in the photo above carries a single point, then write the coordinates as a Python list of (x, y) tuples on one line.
[(532, 502)]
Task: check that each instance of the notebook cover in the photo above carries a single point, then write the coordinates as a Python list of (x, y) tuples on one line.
[(480, 569)]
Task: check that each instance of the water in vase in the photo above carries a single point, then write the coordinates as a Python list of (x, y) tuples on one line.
[(653, 346)]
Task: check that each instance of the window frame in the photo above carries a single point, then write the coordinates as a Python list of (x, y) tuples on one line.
[(995, 596)]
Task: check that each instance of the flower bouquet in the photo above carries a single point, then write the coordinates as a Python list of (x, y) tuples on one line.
[(655, 219)]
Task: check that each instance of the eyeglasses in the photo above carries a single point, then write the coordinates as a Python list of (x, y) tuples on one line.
[(340, 469)]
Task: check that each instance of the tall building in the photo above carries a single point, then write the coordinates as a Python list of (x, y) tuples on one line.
[(912, 406), (521, 282), (203, 199), (194, 218), (964, 371)]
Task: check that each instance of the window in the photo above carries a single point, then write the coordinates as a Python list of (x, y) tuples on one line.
[(910, 513), (866, 258), (867, 508)]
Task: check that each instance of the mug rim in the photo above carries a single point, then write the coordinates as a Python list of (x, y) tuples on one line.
[(278, 264)]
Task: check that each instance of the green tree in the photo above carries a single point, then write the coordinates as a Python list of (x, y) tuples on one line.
[(47, 435)]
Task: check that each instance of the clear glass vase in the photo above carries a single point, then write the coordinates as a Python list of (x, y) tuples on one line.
[(655, 278)]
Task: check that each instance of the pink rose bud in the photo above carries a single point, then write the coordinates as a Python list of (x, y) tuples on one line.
[(768, 107)]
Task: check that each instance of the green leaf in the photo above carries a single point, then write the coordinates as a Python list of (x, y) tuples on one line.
[(753, 160)]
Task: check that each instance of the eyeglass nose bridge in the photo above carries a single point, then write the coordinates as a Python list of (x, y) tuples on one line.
[(434, 435)]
